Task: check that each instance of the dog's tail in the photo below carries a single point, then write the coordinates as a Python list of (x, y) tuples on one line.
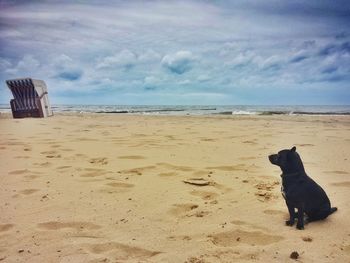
[(333, 209)]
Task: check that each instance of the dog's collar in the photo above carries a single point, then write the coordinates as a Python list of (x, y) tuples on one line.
[(291, 174)]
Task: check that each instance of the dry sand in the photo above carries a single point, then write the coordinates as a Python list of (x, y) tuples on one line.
[(118, 188)]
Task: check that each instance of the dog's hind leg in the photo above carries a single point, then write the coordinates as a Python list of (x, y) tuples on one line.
[(321, 214)]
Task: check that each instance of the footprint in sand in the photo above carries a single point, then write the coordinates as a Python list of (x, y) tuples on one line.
[(51, 154), (248, 158), (14, 142), (243, 223), (119, 251), (80, 156), (23, 171), (182, 209), (264, 196), (67, 150), (250, 142), (264, 193), (181, 237), (119, 190), (170, 137), (342, 184), (199, 182), (196, 260), (55, 146), (307, 239), (236, 237), (138, 170), (346, 249), (176, 167), (63, 167), (205, 195), (91, 180), (55, 225), (28, 191), (6, 227), (84, 139), (274, 212), (201, 173), (208, 140), (305, 145), (132, 157), (22, 157), (337, 172), (93, 172), (229, 168), (198, 214), (120, 185), (100, 161), (31, 177), (267, 186), (169, 174)]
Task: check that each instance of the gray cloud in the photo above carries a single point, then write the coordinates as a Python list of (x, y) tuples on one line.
[(179, 63), (298, 58), (71, 75), (333, 48)]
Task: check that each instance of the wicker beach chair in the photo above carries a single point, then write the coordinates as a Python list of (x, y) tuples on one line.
[(30, 98)]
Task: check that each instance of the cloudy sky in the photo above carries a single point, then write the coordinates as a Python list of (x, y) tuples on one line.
[(179, 52)]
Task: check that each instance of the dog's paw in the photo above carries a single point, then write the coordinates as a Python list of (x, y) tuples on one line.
[(289, 222), (300, 227)]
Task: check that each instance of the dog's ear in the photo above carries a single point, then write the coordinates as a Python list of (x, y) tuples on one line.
[(293, 149)]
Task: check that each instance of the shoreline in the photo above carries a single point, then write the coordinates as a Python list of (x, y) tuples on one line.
[(8, 115), (205, 110)]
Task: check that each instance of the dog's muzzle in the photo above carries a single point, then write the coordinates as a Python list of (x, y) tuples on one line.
[(273, 158)]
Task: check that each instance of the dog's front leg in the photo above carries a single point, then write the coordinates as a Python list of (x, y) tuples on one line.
[(300, 224), (292, 214)]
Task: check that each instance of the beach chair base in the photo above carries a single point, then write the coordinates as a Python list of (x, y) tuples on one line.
[(35, 113)]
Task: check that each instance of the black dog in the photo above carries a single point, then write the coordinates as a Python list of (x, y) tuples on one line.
[(300, 191)]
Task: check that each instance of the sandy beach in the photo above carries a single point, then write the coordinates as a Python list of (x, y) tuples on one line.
[(195, 189)]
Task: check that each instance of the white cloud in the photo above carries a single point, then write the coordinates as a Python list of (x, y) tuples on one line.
[(27, 66), (180, 62), (151, 80), (149, 56), (61, 61), (184, 82), (124, 58), (271, 62), (242, 58), (203, 78), (4, 64)]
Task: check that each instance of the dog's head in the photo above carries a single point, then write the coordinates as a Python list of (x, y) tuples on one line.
[(288, 160)]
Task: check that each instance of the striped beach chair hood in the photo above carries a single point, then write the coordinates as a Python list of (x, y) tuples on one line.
[(24, 93), (29, 95)]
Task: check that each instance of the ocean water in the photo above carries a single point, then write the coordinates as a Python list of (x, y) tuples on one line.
[(200, 110)]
